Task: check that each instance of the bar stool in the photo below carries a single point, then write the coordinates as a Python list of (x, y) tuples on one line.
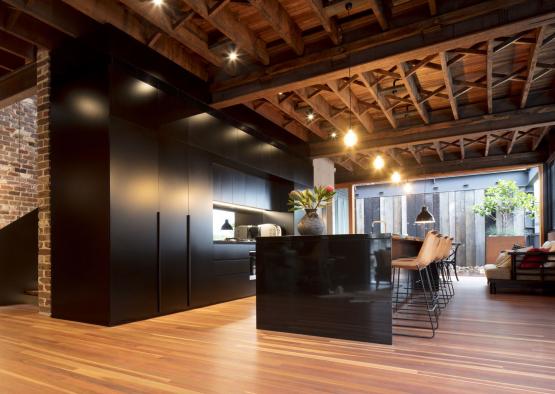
[(451, 261), (445, 267), (418, 309), (443, 289)]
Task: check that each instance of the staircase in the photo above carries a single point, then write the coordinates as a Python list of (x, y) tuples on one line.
[(19, 260)]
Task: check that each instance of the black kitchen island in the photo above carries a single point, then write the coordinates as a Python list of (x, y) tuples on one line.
[(336, 286)]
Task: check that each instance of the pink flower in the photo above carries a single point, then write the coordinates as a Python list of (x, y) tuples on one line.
[(330, 189)]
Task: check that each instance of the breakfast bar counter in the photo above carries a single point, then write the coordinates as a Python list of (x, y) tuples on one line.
[(336, 286)]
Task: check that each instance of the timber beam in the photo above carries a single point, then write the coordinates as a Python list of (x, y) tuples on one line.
[(463, 27), (450, 167), (522, 119)]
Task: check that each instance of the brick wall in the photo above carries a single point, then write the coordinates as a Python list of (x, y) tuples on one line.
[(43, 177), (18, 157)]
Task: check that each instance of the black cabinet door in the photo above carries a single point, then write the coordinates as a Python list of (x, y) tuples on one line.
[(217, 182), (251, 192), (174, 209), (133, 227), (239, 187), (226, 181), (203, 291), (259, 187)]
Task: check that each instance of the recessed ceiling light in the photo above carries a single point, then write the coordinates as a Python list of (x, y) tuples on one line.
[(396, 177), (310, 116), (333, 135), (350, 139), (158, 3), (233, 55)]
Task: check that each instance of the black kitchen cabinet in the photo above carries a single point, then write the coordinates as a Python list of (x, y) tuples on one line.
[(134, 177), (173, 223), (262, 187), (232, 270), (239, 187), (203, 290), (234, 186), (133, 229), (252, 191)]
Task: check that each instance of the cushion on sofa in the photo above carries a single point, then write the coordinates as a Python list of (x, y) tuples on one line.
[(494, 272), (503, 260), (533, 260)]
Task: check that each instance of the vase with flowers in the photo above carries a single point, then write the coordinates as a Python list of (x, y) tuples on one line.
[(310, 200)]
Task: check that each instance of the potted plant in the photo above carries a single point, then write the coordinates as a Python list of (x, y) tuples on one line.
[(310, 200), (500, 204)]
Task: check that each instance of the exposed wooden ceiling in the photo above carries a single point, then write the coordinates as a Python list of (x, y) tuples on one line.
[(423, 82)]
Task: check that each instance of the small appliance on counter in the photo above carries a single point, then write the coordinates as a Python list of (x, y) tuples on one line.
[(246, 232), (269, 230), (250, 232)]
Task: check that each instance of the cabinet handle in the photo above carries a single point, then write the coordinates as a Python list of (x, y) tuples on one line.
[(189, 260), (158, 262)]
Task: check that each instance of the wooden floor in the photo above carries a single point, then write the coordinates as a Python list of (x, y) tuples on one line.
[(497, 344)]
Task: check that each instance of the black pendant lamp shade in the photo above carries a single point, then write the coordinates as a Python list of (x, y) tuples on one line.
[(226, 225), (424, 216)]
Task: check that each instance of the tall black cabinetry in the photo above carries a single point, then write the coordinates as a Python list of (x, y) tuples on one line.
[(132, 185), (120, 197)]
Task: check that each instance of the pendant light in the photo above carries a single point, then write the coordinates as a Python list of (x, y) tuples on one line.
[(350, 139), (227, 225), (425, 216), (378, 162)]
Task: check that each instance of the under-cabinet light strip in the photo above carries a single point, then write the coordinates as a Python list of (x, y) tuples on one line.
[(220, 204)]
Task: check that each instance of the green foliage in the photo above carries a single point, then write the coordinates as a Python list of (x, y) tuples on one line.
[(503, 200), (310, 198)]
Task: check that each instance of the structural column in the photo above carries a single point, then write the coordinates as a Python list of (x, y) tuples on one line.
[(43, 177)]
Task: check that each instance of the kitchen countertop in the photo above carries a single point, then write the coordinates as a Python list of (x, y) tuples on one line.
[(234, 242)]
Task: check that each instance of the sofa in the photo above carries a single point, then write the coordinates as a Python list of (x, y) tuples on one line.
[(524, 268)]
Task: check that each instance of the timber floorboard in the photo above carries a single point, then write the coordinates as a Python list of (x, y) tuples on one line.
[(503, 343)]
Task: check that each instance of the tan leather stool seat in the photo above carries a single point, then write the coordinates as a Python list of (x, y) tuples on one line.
[(409, 264)]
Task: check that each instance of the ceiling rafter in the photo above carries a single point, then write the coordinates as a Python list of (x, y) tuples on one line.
[(412, 86), (543, 132), (274, 13), (415, 154), (489, 76), (288, 108), (107, 11), (511, 144), (320, 106), (328, 22), (507, 41), (370, 82), (439, 150), (448, 79), (227, 23), (159, 18), (267, 110), (532, 60), (347, 97), (379, 9)]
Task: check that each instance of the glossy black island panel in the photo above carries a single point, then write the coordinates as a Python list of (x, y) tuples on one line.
[(336, 286)]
